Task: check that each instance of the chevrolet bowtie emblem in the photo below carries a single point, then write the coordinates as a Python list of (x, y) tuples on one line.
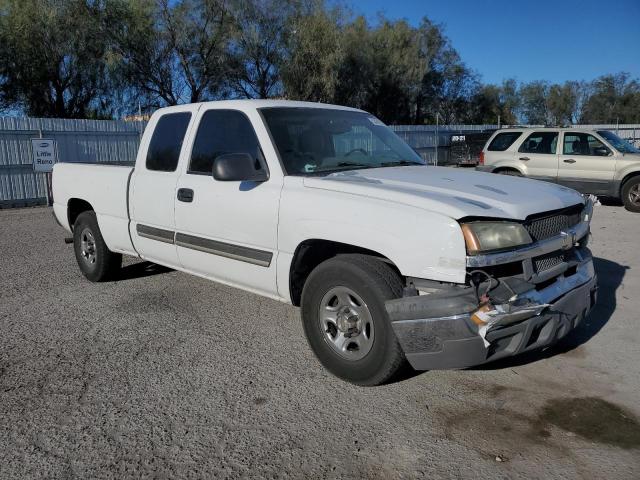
[(568, 240)]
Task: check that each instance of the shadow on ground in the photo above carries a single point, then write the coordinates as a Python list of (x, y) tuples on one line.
[(610, 201), (140, 270)]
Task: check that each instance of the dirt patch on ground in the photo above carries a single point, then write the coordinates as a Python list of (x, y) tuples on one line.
[(593, 419), (513, 421)]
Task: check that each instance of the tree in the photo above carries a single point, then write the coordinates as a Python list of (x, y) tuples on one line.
[(565, 101), (314, 53), (171, 52), (534, 102), (259, 46), (381, 69), (53, 60), (446, 85), (403, 74), (613, 98)]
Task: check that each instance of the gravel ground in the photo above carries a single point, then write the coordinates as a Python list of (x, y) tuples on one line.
[(165, 375)]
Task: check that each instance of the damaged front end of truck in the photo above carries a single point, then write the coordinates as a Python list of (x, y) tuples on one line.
[(514, 300)]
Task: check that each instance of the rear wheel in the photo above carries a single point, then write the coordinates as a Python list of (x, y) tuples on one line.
[(95, 260), (345, 321), (631, 194)]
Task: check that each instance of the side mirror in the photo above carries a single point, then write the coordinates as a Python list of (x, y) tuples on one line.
[(601, 152), (238, 167)]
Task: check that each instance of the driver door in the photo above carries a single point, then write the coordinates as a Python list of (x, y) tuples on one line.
[(227, 230), (586, 163)]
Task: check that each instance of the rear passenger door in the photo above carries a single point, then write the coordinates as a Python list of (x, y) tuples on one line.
[(538, 154), (153, 187), (586, 163)]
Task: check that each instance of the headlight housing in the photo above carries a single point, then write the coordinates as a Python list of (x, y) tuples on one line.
[(487, 236)]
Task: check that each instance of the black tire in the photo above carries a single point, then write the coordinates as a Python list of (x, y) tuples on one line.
[(97, 262), (374, 282), (630, 194), (513, 173)]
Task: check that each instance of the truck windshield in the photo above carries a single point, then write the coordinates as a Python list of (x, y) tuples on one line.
[(618, 143), (316, 141)]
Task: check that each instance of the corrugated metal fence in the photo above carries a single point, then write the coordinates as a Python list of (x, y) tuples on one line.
[(76, 141), (117, 141)]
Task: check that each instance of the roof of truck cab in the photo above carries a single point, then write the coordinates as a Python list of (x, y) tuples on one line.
[(252, 103)]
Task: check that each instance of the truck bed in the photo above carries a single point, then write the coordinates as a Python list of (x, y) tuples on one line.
[(105, 188)]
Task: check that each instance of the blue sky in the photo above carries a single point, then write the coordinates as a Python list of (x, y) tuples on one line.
[(530, 40)]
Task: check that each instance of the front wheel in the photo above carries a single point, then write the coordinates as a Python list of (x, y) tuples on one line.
[(345, 320), (631, 194), (95, 260)]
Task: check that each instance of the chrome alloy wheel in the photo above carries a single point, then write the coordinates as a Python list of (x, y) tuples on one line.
[(634, 195), (88, 246), (346, 323)]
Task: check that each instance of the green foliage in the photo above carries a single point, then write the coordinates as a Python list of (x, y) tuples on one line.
[(170, 52), (259, 46), (52, 59), (314, 54), (613, 98), (100, 58), (533, 97)]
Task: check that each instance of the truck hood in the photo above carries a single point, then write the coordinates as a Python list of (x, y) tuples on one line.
[(454, 192)]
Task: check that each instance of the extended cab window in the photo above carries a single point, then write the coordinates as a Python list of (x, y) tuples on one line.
[(502, 141), (166, 142), (220, 132), (540, 142), (583, 144)]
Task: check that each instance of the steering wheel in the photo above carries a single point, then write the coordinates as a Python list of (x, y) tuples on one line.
[(362, 150)]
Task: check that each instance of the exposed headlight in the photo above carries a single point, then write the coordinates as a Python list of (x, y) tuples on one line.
[(587, 211), (486, 236)]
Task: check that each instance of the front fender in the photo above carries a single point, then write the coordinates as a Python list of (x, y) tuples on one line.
[(420, 243)]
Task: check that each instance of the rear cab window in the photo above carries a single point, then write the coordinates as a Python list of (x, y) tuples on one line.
[(541, 143), (166, 142), (502, 141)]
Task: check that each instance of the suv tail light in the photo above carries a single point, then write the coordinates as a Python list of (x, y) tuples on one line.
[(481, 158)]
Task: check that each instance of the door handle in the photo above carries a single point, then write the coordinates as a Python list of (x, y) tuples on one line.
[(525, 159), (569, 160), (185, 195)]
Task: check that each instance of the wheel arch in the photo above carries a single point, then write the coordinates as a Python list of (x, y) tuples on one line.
[(626, 178), (75, 206), (507, 169), (312, 252)]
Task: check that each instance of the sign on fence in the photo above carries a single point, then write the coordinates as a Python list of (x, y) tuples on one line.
[(44, 154)]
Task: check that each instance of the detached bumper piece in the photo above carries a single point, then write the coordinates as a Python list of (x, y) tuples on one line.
[(442, 330)]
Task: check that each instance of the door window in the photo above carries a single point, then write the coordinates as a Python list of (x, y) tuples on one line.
[(583, 144), (502, 141), (540, 142), (221, 132), (166, 142)]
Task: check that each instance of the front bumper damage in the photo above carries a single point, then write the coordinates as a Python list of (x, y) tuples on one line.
[(441, 330)]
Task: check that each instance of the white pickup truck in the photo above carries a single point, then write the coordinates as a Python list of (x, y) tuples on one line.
[(326, 208)]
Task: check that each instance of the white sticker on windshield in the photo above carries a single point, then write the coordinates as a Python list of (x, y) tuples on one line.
[(376, 121)]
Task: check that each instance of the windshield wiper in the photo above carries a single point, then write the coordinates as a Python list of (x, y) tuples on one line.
[(352, 164), (400, 163)]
